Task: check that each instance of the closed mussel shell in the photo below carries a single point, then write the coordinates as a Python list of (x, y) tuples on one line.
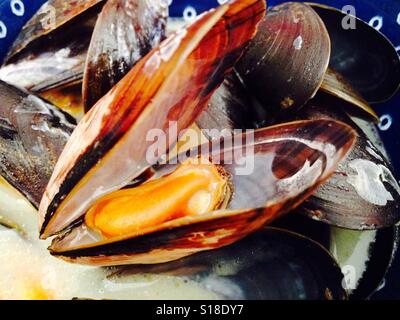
[(287, 60)]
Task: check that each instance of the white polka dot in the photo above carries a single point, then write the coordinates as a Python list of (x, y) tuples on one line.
[(376, 22), (222, 1), (385, 123), (398, 18), (17, 7), (169, 2), (3, 30), (190, 13), (398, 49)]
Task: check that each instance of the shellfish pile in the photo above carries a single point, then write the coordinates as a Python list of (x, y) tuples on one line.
[(284, 89)]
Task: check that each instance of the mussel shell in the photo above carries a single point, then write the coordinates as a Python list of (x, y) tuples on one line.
[(126, 30), (54, 60), (364, 256), (270, 264), (375, 258), (229, 108), (42, 24), (33, 134), (287, 60), (364, 56), (336, 85), (51, 49), (67, 98), (268, 176), (110, 155), (363, 193)]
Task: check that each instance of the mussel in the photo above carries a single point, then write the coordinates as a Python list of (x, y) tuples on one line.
[(115, 48), (287, 60), (53, 15), (270, 264), (51, 54), (278, 104), (33, 134), (114, 218), (363, 55), (363, 193), (206, 203), (364, 256), (77, 40)]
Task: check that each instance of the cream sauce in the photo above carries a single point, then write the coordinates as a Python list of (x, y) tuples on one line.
[(28, 271)]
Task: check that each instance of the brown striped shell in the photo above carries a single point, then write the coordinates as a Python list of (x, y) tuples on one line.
[(286, 164), (109, 157)]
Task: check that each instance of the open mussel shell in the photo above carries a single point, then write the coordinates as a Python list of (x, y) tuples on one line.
[(53, 15), (268, 176), (55, 54), (270, 264), (115, 48), (33, 134), (363, 256), (336, 85), (110, 156), (59, 63), (287, 60), (363, 193), (363, 55)]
